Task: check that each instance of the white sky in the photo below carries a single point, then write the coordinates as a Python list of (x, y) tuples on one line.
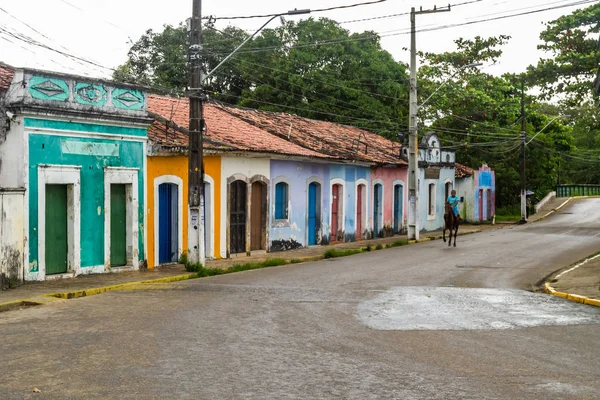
[(101, 30)]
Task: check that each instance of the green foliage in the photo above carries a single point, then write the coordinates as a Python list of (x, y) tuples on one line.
[(353, 81), (203, 271), (572, 42), (398, 243), (334, 253), (379, 247)]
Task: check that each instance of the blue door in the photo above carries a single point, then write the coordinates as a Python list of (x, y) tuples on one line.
[(377, 211), (312, 214), (398, 196), (167, 223)]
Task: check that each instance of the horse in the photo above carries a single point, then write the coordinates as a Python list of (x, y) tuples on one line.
[(451, 222)]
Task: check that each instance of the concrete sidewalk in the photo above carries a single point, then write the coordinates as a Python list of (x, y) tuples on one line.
[(549, 208), (35, 293)]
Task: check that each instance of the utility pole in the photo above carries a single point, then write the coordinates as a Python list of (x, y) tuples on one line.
[(196, 128), (523, 143), (413, 142)]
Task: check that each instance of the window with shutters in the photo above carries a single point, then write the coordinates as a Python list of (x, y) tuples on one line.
[(281, 200)]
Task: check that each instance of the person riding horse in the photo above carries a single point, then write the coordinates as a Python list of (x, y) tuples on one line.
[(451, 217), (453, 200)]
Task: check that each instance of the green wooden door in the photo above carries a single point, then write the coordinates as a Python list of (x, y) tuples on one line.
[(118, 228), (56, 229)]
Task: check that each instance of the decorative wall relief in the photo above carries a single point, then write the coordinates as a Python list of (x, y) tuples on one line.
[(48, 88), (128, 99), (90, 94)]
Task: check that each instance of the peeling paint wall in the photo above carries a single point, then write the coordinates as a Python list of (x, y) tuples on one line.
[(245, 168), (391, 176), (465, 188), (293, 233), (50, 143), (429, 222), (349, 174), (12, 242)]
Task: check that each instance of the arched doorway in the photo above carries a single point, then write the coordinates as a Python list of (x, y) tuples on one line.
[(337, 212), (398, 207), (377, 209), (361, 210), (168, 226), (258, 216), (237, 216), (314, 212)]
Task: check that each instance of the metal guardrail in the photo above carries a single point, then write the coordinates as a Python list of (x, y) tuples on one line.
[(577, 190)]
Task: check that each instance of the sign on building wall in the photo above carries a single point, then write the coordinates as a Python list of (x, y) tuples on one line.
[(432, 173)]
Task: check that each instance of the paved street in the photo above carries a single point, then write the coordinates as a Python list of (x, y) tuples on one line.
[(415, 322)]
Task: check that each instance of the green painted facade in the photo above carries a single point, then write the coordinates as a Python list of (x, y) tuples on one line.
[(50, 149)]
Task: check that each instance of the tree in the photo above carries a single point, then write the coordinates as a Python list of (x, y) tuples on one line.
[(572, 41), (313, 68), (478, 115)]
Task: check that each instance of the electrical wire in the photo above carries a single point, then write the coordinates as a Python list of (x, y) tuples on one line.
[(406, 31), (402, 14), (354, 109), (311, 11)]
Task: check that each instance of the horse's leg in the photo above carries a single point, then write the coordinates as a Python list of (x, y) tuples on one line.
[(444, 230), (456, 232)]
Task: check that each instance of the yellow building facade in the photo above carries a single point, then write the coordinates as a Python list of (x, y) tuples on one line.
[(167, 200)]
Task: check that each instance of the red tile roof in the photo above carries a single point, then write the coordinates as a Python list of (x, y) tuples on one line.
[(223, 130), (462, 171), (342, 141), (6, 76)]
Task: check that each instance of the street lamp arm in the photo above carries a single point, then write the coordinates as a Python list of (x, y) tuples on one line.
[(292, 12), (446, 81), (548, 124), (240, 46)]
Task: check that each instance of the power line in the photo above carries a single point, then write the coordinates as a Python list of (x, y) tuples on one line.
[(405, 31), (354, 109), (312, 11), (402, 14)]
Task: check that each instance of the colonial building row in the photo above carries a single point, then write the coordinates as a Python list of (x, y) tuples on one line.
[(93, 178)]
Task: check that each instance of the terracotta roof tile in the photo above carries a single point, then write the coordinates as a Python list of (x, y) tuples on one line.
[(6, 77), (342, 141), (222, 128), (462, 171)]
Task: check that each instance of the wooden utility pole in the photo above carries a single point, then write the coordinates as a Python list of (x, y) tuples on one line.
[(413, 140), (523, 143), (196, 128)]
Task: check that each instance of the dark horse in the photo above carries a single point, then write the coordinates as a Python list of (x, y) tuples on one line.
[(451, 223)]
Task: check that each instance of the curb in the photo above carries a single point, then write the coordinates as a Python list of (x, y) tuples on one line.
[(554, 210), (569, 296), (146, 284)]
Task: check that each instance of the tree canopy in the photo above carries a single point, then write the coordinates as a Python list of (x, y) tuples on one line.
[(317, 69)]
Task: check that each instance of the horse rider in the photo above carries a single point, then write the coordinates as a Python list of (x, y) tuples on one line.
[(453, 200)]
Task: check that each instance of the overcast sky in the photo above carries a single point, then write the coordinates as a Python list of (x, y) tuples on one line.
[(102, 30)]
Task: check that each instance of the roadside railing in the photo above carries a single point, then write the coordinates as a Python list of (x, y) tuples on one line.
[(577, 190)]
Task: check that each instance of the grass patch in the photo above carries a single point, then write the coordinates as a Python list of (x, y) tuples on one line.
[(203, 271), (368, 248), (295, 261), (508, 218), (379, 247), (334, 253), (398, 243)]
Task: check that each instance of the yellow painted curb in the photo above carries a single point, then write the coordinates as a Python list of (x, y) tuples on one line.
[(577, 298), (93, 291), (561, 294), (592, 302), (169, 279)]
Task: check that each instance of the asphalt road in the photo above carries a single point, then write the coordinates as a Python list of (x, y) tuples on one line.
[(416, 322)]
